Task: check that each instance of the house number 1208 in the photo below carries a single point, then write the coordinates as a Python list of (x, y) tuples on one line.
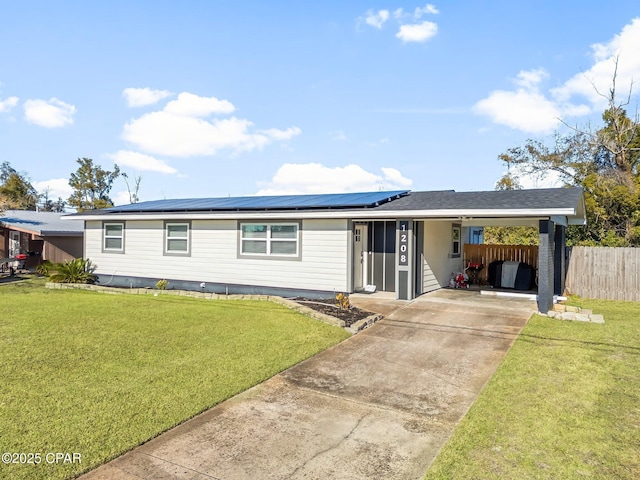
[(403, 246)]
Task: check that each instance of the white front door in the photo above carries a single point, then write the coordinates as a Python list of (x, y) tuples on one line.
[(14, 243), (360, 257)]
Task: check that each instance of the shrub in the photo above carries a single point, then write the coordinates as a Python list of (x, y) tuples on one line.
[(73, 271), (162, 284), (44, 268)]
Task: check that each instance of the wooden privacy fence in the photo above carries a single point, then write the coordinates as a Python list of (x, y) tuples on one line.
[(485, 254), (609, 273)]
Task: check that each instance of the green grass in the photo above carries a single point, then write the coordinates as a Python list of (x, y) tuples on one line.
[(565, 404), (99, 374)]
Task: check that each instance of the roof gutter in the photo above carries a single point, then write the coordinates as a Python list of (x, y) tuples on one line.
[(338, 214)]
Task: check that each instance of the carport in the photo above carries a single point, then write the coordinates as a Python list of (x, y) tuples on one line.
[(43, 234), (551, 259), (427, 245)]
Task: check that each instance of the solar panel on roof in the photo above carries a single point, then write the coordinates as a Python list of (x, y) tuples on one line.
[(279, 202)]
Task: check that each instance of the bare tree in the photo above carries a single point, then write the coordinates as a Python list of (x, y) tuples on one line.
[(605, 162), (133, 194)]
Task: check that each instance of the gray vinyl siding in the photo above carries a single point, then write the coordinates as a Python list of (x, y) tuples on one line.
[(214, 255)]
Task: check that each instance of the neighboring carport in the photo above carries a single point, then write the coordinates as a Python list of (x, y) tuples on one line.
[(42, 234)]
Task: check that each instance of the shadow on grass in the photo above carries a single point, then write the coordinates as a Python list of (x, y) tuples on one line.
[(12, 279), (503, 334), (610, 346)]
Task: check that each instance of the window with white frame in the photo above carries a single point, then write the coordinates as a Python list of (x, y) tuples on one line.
[(269, 239), (177, 238), (113, 237)]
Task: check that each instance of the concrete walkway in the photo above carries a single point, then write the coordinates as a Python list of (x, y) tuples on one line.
[(378, 406)]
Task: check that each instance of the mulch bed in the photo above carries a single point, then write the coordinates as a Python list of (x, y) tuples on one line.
[(328, 306)]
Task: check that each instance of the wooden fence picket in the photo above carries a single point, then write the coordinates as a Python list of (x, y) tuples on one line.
[(604, 272), (485, 254)]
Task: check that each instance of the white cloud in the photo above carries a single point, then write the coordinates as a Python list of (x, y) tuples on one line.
[(141, 162), (179, 136), (398, 13), (121, 198), (523, 109), (278, 134), (140, 97), (49, 114), (527, 111), (8, 104), (293, 179), (180, 131), (624, 46), (414, 32), (419, 32), (549, 179), (394, 178), (530, 109), (57, 187), (377, 19), (530, 79), (190, 105), (427, 9)]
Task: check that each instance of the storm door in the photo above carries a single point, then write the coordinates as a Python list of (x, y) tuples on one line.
[(383, 250), (360, 255)]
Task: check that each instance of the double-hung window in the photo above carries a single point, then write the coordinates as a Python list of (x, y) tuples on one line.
[(113, 240), (177, 238), (269, 239)]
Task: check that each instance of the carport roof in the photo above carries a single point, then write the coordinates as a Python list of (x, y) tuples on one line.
[(41, 223), (535, 203), (544, 198)]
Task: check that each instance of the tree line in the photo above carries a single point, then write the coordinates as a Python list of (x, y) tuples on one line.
[(603, 161), (91, 186)]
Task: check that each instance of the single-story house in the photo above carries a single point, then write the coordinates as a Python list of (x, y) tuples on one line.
[(400, 241), (44, 235)]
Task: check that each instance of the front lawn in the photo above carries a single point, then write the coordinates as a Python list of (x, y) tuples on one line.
[(564, 404), (96, 374)]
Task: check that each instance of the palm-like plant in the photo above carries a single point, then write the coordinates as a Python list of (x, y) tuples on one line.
[(44, 268), (73, 271)]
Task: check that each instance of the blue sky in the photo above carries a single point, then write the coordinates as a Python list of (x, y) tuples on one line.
[(218, 98)]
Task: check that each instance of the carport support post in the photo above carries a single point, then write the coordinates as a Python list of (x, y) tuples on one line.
[(545, 266), (560, 269), (404, 260)]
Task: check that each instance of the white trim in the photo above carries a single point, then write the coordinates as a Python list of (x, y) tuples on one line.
[(364, 214), (269, 240), (105, 237), (186, 238)]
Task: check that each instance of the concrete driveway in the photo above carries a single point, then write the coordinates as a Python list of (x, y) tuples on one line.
[(378, 406)]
